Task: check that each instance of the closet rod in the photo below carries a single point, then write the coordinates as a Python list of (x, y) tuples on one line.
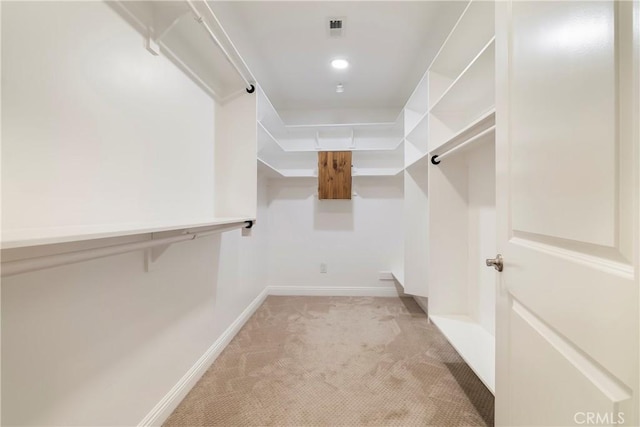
[(11, 268), (438, 157), (250, 87)]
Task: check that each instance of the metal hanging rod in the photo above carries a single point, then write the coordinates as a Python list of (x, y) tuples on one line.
[(198, 17), (438, 157), (11, 268)]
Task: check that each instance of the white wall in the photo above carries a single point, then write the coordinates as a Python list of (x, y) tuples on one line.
[(96, 130), (356, 238), (86, 108)]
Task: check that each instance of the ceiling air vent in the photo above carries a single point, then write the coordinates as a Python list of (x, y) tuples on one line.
[(336, 27)]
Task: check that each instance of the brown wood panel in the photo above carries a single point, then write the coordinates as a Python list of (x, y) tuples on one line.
[(334, 175)]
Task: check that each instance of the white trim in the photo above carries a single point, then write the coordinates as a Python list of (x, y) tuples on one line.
[(159, 414), (422, 302), (351, 291)]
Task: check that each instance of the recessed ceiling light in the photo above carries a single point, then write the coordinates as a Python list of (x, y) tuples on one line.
[(339, 64), (339, 88)]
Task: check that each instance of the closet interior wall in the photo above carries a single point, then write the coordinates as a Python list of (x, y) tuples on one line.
[(100, 134), (331, 247)]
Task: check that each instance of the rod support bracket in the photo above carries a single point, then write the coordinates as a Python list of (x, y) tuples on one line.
[(434, 160), (251, 89), (249, 224)]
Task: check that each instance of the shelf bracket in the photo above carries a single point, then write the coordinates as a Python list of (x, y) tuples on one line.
[(151, 255), (246, 230), (152, 46)]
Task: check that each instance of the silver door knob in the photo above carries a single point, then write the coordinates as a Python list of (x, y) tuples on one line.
[(495, 262)]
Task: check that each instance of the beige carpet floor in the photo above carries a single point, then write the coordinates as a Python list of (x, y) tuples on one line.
[(337, 361)]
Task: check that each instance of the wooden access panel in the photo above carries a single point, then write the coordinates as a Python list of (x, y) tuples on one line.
[(334, 175)]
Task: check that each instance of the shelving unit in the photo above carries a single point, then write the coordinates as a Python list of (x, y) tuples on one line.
[(472, 32), (30, 237), (291, 151), (170, 25), (461, 187), (170, 28), (469, 97)]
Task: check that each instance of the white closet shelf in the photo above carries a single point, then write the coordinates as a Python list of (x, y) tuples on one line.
[(471, 84), (418, 160), (474, 344), (393, 147), (335, 126), (271, 171), (376, 171), (267, 170), (484, 122), (20, 238), (474, 27), (269, 135), (305, 137), (413, 155)]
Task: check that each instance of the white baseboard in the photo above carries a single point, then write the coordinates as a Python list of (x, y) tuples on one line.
[(170, 401), (422, 302), (335, 291)]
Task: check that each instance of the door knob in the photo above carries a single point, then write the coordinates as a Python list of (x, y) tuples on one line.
[(495, 262)]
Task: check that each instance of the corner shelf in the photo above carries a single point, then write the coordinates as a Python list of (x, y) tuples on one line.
[(470, 85), (341, 137), (474, 344), (307, 144), (289, 151), (474, 29), (375, 172), (419, 161), (267, 170)]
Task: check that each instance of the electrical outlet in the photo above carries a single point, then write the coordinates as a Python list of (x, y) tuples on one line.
[(323, 268)]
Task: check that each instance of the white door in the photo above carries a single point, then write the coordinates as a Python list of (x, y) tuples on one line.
[(568, 214)]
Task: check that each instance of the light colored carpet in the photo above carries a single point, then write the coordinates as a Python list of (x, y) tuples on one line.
[(337, 361)]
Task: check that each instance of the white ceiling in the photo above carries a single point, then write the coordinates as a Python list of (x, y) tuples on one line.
[(389, 45)]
